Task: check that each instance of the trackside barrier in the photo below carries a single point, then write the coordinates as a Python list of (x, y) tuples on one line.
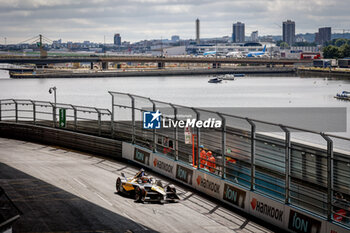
[(309, 179), (271, 210)]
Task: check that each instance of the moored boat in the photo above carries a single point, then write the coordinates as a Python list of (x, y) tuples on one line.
[(215, 80), (345, 95)]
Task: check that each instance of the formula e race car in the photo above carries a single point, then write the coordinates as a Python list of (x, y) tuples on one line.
[(145, 189)]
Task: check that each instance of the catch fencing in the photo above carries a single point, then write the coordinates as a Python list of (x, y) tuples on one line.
[(312, 177)]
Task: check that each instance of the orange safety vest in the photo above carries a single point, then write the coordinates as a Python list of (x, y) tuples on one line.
[(211, 164), (203, 158)]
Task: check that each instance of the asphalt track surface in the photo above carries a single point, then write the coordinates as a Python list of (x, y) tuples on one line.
[(60, 190)]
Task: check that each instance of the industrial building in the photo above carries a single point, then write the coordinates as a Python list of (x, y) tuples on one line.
[(197, 31)]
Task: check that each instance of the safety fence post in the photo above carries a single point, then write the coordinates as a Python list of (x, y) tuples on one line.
[(176, 134), (329, 175), (110, 113), (287, 164), (252, 152), (112, 116), (34, 112), (133, 136), (223, 144), (98, 121), (75, 117), (198, 132), (154, 147), (53, 114), (16, 110)]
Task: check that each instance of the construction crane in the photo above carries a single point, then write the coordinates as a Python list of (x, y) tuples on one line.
[(278, 25), (341, 29)]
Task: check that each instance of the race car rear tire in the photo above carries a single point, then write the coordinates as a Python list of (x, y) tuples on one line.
[(118, 186), (139, 195)]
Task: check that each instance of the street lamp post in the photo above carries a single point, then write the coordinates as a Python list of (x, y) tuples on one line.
[(53, 107), (54, 91)]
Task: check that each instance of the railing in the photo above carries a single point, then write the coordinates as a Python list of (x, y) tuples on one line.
[(312, 177), (96, 121), (315, 178)]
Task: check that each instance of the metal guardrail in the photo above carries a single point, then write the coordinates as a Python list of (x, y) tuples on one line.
[(95, 121), (311, 177)]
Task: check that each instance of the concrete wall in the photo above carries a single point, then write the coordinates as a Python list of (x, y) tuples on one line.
[(68, 139)]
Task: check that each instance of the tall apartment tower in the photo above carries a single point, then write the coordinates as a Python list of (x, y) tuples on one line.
[(289, 32), (324, 35), (238, 32), (117, 39), (254, 36), (197, 32)]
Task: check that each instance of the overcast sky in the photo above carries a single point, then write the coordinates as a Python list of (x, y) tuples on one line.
[(135, 20)]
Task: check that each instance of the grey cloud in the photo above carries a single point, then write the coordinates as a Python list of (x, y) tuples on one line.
[(147, 19)]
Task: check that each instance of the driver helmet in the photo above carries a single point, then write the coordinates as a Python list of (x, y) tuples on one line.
[(144, 179)]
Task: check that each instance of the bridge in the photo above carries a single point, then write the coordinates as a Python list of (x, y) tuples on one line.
[(293, 185), (151, 59)]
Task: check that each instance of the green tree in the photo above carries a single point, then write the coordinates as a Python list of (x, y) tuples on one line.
[(331, 51), (284, 45), (305, 44), (345, 50), (340, 42), (278, 43)]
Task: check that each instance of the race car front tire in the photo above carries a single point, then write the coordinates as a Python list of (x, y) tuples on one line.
[(118, 185), (171, 188), (139, 195)]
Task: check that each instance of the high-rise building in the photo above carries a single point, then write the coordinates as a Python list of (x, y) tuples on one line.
[(254, 36), (197, 32), (289, 32), (324, 35), (238, 32), (175, 38), (317, 37), (117, 39)]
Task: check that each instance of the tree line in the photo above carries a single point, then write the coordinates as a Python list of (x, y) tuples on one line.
[(337, 48)]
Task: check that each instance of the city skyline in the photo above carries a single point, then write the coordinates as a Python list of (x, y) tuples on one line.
[(149, 19)]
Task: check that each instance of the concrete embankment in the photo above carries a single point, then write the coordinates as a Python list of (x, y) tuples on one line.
[(334, 72), (164, 72)]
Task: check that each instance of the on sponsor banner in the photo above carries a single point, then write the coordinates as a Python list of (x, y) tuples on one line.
[(234, 195), (141, 156), (267, 210), (163, 165), (207, 184), (184, 174), (302, 223)]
